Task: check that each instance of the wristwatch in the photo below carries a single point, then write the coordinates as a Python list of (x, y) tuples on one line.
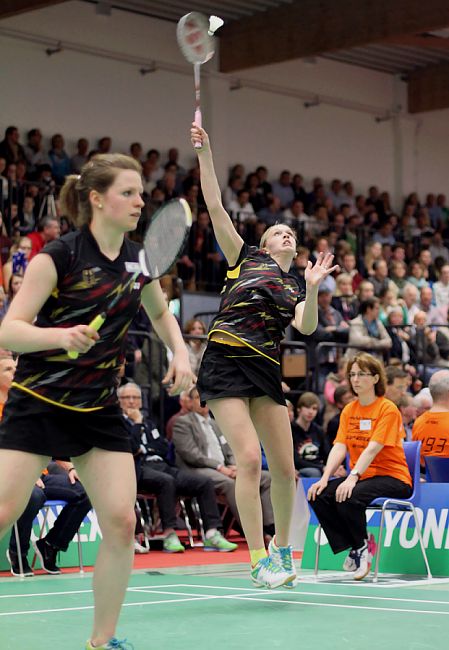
[(354, 472)]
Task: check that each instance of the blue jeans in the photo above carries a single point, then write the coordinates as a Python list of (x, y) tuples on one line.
[(57, 487)]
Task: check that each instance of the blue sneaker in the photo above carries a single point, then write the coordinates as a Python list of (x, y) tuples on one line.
[(283, 556), (270, 574), (113, 644)]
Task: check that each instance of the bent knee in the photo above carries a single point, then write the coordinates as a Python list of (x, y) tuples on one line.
[(250, 463)]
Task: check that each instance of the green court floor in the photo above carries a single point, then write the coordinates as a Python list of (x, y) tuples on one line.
[(202, 608)]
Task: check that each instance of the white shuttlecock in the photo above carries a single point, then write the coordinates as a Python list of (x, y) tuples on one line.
[(214, 23)]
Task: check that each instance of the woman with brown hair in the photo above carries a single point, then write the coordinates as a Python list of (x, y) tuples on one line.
[(195, 347), (59, 406), (371, 432)]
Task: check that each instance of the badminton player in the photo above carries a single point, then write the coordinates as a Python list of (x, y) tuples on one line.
[(61, 407), (240, 374)]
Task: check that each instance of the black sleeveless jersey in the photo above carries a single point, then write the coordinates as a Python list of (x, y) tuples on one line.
[(258, 302), (87, 282)]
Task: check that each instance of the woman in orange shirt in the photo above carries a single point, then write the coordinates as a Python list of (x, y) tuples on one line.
[(371, 432)]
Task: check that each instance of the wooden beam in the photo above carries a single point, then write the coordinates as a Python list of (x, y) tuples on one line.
[(312, 27), (13, 7), (428, 88)]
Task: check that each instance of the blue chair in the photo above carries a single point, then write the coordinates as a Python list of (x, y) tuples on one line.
[(437, 469), (48, 505), (412, 456)]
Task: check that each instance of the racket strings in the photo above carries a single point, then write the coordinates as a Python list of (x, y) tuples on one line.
[(165, 238)]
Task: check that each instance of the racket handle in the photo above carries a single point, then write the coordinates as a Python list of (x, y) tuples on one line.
[(95, 324), (199, 122)]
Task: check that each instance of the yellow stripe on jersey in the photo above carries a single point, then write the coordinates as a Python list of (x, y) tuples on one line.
[(234, 273), (50, 401), (262, 354)]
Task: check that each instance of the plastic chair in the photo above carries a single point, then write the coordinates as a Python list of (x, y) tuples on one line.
[(48, 505), (412, 456), (437, 469)]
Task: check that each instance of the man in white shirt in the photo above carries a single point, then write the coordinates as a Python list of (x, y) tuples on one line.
[(202, 448), (441, 288)]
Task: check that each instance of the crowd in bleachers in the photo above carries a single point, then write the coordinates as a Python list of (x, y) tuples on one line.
[(390, 296)]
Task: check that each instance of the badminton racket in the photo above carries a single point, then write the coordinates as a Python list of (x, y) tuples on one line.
[(195, 39), (162, 245)]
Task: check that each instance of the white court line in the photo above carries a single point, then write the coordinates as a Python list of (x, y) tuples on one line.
[(300, 592), (377, 609), (341, 579), (48, 593)]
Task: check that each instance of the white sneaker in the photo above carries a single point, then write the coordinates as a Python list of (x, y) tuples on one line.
[(350, 564), (364, 558), (283, 556), (268, 573), (138, 548)]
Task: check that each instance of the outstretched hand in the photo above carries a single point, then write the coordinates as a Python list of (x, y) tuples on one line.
[(315, 274), (199, 136)]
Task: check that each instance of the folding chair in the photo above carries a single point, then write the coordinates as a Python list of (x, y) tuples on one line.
[(412, 456), (437, 469), (48, 505), (149, 527)]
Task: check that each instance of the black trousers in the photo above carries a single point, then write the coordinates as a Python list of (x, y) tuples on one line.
[(169, 482), (345, 523), (57, 487)]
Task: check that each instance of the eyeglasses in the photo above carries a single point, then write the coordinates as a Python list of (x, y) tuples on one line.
[(352, 375)]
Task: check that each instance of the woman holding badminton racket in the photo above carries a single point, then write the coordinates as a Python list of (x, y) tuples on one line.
[(240, 374), (63, 402)]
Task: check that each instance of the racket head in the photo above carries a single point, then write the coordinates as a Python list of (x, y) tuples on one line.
[(194, 39), (165, 238)]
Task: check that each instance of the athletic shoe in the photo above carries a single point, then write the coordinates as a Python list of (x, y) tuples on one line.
[(113, 644), (171, 544), (47, 556), (282, 555), (139, 549), (13, 560), (350, 564), (218, 543), (268, 573), (364, 558)]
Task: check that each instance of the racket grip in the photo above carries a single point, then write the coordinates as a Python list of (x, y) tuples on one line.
[(199, 122), (95, 324)]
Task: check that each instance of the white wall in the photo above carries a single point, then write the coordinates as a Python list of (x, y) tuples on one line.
[(85, 95)]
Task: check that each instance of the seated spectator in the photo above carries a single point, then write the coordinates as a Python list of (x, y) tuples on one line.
[(310, 446), (80, 158), (331, 327), (195, 347), (240, 209), (342, 396), (136, 151), (10, 148), (229, 194), (438, 249), (295, 215), (416, 275), (59, 482), (298, 189), (334, 380), (371, 431), (398, 382), (400, 336), (423, 401), (365, 291), (48, 229), (387, 302), (435, 315), (255, 193), (432, 427), (27, 216), (202, 448), (425, 259), (373, 254), (18, 260), (367, 331), (423, 345), (398, 272), (155, 474), (34, 152), (283, 189), (272, 213), (379, 278), (264, 185), (59, 160), (410, 296), (441, 288), (185, 404), (406, 405)]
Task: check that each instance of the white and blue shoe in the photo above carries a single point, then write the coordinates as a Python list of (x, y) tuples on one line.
[(283, 556)]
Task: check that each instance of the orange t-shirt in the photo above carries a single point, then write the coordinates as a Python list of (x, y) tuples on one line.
[(381, 422), (433, 431)]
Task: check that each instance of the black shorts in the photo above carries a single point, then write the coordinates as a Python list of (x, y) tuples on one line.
[(30, 424), (231, 371)]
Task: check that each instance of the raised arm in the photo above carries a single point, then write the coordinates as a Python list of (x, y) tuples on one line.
[(228, 238)]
